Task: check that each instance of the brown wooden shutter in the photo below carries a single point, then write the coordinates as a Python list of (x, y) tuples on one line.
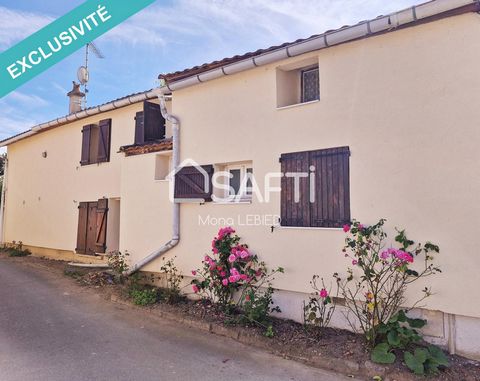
[(154, 123), (101, 233), (82, 228), (139, 128), (332, 184), (86, 131), (190, 183), (294, 213), (104, 134)]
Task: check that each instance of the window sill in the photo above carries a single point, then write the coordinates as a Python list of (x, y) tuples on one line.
[(242, 202), (297, 104), (307, 228)]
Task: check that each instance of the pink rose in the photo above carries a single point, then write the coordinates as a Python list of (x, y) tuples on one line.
[(244, 254), (354, 262), (195, 288), (243, 277), (403, 256), (231, 258), (346, 228), (194, 272), (323, 293), (231, 279), (225, 282)]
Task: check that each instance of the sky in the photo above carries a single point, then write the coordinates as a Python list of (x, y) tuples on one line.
[(167, 36)]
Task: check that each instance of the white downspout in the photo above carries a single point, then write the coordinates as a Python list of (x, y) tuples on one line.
[(176, 206), (2, 204)]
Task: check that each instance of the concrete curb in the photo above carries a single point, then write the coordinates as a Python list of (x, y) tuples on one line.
[(363, 370)]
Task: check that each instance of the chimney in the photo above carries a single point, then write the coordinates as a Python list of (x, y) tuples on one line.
[(76, 98)]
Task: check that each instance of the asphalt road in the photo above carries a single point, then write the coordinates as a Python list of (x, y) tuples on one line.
[(52, 329)]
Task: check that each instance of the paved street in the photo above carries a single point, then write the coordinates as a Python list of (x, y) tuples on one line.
[(52, 329)]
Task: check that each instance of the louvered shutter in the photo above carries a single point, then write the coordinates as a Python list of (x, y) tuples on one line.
[(104, 134), (332, 184), (154, 123), (86, 131), (101, 234), (295, 208), (82, 228), (139, 128), (193, 183)]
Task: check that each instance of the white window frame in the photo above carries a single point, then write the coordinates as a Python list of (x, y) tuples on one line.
[(242, 197)]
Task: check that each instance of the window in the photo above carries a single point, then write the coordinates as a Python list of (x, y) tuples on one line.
[(149, 124), (240, 182), (92, 227), (310, 85), (315, 188), (298, 82), (96, 142)]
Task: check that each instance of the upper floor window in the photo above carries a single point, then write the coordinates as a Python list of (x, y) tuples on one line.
[(149, 124), (310, 86), (96, 142), (298, 82)]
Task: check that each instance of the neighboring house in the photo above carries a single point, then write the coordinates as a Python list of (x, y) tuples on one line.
[(384, 110)]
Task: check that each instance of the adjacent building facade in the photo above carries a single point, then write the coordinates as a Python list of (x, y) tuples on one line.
[(383, 113)]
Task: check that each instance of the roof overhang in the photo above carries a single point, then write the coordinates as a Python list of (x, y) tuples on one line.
[(418, 14)]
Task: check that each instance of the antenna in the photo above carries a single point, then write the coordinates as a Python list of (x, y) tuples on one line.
[(82, 72)]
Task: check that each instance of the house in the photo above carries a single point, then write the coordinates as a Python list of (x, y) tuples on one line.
[(384, 110)]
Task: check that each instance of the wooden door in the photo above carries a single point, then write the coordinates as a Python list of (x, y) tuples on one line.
[(91, 229)]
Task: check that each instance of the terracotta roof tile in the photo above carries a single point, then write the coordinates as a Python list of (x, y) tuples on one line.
[(154, 146)]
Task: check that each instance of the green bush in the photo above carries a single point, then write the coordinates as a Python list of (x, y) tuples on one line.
[(144, 297)]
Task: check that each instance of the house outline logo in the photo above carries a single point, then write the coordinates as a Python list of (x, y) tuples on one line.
[(187, 163)]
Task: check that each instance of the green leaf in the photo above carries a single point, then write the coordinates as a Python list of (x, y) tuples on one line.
[(421, 354), (402, 317), (413, 364), (417, 323), (381, 354), (393, 338), (437, 354)]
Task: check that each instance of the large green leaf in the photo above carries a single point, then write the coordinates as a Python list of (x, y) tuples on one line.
[(413, 363), (381, 354), (437, 354), (393, 338)]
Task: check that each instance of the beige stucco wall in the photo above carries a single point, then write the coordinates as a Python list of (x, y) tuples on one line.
[(405, 104), (43, 193)]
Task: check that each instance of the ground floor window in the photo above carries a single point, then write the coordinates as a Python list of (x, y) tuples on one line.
[(315, 188), (92, 227)]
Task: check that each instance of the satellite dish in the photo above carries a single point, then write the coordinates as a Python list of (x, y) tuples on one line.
[(82, 75)]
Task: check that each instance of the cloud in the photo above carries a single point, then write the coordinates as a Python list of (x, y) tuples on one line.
[(16, 25), (19, 112), (211, 29), (29, 100)]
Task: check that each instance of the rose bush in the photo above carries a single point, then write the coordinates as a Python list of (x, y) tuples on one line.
[(374, 289), (233, 276)]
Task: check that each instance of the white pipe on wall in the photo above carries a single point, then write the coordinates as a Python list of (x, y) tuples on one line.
[(176, 206)]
